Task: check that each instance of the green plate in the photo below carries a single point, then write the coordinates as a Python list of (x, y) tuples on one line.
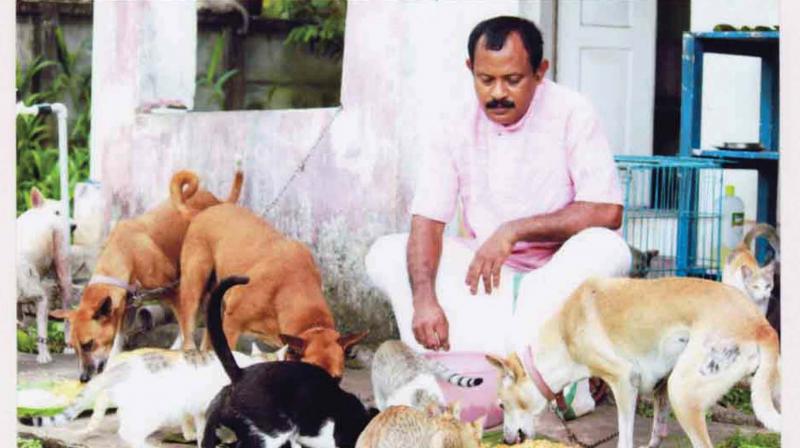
[(46, 398)]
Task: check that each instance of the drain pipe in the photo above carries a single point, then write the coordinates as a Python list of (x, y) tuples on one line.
[(63, 160)]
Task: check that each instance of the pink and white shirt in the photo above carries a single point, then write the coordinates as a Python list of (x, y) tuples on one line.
[(554, 155)]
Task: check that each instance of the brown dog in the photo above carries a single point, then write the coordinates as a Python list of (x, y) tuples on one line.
[(140, 252), (283, 302)]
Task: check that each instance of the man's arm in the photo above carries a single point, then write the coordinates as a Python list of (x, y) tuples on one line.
[(423, 253), (558, 226), (561, 225)]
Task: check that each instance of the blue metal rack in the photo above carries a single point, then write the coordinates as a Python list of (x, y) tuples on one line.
[(672, 212), (762, 44)]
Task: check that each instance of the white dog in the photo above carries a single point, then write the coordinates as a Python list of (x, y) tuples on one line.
[(42, 243)]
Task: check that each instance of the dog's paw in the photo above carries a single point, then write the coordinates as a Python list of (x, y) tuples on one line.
[(43, 357)]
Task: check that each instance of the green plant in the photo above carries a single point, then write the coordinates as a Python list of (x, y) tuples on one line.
[(212, 81), (321, 23), (28, 443), (26, 339), (37, 138), (739, 398), (739, 440)]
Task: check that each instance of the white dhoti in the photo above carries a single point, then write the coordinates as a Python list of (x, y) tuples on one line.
[(509, 318)]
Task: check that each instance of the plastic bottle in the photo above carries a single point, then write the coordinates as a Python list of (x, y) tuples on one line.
[(732, 221)]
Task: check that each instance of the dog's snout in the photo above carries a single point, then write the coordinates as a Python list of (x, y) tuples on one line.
[(85, 377)]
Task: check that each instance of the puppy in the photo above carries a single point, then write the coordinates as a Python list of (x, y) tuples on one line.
[(278, 404), (283, 303), (42, 244), (686, 339), (143, 251)]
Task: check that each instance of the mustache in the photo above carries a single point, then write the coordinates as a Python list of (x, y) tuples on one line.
[(502, 103)]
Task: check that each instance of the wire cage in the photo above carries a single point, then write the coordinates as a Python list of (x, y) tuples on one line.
[(672, 218)]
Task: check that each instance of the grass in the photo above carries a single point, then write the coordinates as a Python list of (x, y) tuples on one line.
[(28, 443), (739, 398), (738, 440)]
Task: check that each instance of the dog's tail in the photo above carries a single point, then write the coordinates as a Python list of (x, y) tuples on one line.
[(214, 323), (183, 185), (766, 382), (238, 179), (445, 374), (766, 231)]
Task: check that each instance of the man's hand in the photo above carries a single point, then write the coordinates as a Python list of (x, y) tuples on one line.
[(489, 259), (430, 325)]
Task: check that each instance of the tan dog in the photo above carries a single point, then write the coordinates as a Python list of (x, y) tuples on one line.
[(282, 303), (687, 339), (404, 426), (140, 252)]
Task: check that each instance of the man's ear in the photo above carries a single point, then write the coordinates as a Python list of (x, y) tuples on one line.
[(37, 198), (297, 346), (542, 70), (468, 63), (61, 314)]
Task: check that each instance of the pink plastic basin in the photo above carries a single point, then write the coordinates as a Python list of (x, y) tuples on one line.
[(475, 401)]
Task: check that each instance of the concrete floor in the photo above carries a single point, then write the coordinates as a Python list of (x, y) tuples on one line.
[(588, 428)]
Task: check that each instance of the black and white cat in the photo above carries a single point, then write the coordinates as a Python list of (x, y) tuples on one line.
[(282, 404)]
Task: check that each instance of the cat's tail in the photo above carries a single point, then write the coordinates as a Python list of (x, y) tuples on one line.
[(445, 374), (214, 323), (768, 232)]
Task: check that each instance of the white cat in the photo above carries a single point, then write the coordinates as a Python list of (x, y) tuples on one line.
[(743, 272), (402, 377), (153, 388)]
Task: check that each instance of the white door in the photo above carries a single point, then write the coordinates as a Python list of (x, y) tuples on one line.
[(606, 50)]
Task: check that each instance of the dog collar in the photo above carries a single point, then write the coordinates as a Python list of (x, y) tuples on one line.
[(538, 380), (113, 281)]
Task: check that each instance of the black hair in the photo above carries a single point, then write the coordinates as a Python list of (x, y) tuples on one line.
[(496, 31)]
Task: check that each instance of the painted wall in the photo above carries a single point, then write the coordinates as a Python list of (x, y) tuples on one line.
[(731, 86), (403, 73)]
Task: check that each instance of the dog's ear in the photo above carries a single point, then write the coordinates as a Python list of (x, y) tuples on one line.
[(104, 311), (515, 367), (297, 346), (61, 314), (349, 340), (280, 355), (498, 362), (37, 198)]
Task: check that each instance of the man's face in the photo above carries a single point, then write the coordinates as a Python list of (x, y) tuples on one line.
[(504, 80)]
